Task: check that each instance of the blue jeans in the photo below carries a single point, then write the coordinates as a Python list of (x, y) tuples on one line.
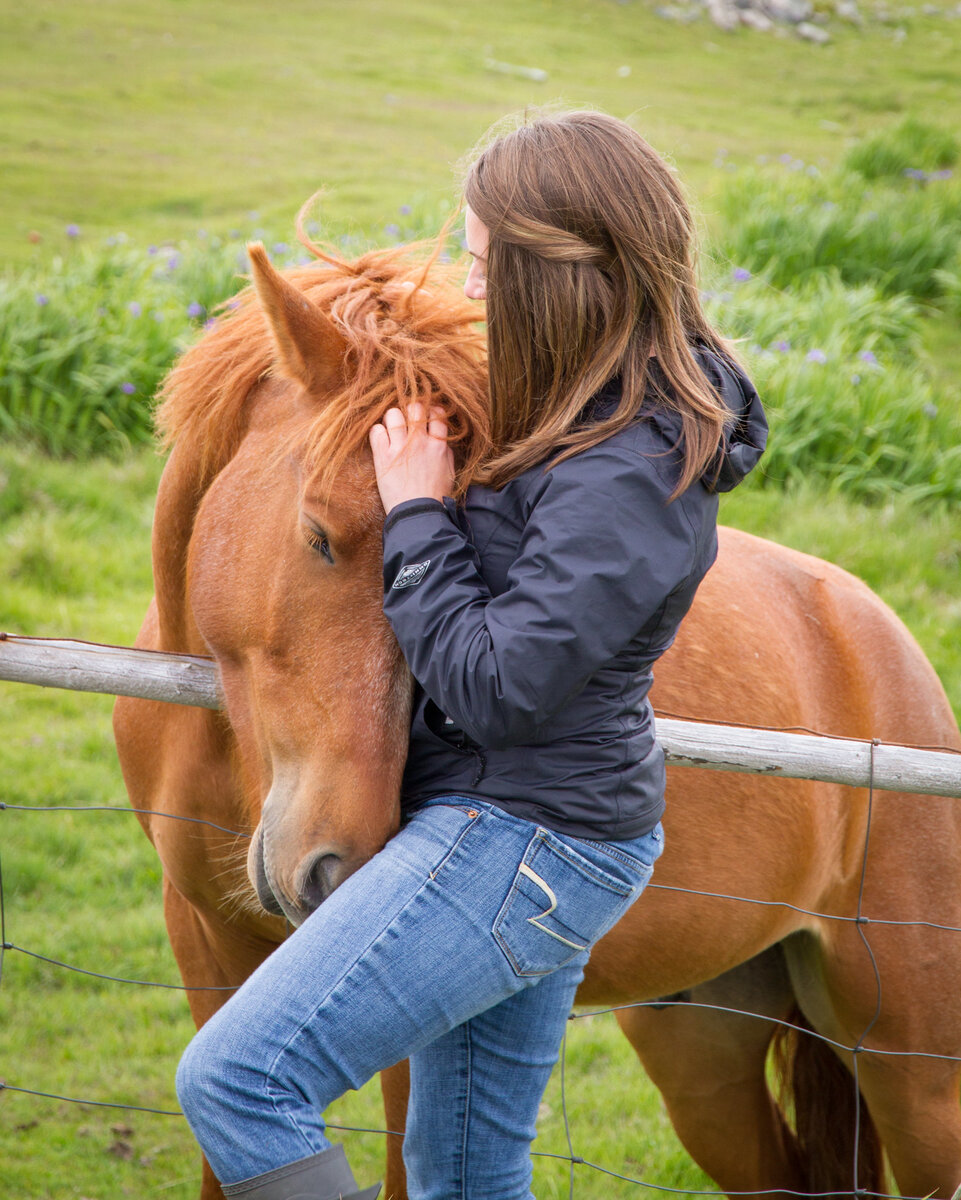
[(460, 946)]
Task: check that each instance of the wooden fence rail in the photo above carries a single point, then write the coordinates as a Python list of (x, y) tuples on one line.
[(187, 679)]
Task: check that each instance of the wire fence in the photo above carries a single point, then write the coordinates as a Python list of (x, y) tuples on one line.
[(862, 922)]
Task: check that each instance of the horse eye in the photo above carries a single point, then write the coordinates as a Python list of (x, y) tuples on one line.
[(319, 543)]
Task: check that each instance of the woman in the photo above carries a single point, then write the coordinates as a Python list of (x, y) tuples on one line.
[(530, 618)]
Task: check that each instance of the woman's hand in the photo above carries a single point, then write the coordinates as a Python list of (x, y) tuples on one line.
[(412, 458)]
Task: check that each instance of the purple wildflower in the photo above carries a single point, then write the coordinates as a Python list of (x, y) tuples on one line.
[(134, 308), (915, 173), (741, 274), (128, 389), (42, 300), (72, 231), (392, 230), (281, 248), (210, 322), (405, 210), (782, 347), (151, 250), (869, 357), (786, 159), (194, 309), (173, 262), (233, 304), (944, 173), (816, 356)]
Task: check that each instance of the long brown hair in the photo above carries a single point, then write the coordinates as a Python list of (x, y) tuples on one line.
[(590, 272)]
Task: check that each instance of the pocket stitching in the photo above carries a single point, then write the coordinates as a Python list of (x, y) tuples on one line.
[(471, 822), (582, 864), (626, 860), (575, 862), (524, 869)]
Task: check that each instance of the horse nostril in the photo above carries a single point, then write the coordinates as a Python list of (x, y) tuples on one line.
[(324, 874)]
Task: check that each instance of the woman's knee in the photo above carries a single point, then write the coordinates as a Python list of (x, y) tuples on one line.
[(203, 1075), (190, 1078)]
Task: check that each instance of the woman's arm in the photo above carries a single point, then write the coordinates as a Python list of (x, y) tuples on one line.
[(600, 553)]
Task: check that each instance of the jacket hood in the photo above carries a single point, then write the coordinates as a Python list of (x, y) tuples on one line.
[(746, 436)]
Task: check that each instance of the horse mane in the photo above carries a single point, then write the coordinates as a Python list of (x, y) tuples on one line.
[(411, 335)]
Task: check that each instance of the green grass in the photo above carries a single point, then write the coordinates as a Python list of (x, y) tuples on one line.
[(156, 117), (832, 329), (910, 148)]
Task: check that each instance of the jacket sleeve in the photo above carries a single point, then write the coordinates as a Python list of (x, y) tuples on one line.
[(600, 552)]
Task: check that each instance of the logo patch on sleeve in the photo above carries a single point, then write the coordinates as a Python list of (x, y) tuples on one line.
[(411, 573)]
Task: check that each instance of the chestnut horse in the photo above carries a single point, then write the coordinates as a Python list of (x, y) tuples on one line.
[(267, 555)]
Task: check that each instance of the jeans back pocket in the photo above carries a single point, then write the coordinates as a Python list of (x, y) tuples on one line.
[(559, 904)]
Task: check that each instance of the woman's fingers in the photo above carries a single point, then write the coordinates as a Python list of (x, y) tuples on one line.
[(395, 422), (437, 423), (412, 457)]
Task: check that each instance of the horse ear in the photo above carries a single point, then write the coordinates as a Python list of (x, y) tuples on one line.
[(310, 350)]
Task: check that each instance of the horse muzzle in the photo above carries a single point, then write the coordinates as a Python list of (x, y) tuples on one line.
[(315, 877)]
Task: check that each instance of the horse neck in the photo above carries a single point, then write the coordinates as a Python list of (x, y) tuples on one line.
[(184, 482)]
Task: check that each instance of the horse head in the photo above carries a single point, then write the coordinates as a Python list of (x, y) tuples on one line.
[(283, 566)]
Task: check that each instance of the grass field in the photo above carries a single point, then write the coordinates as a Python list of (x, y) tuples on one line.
[(165, 120), (163, 117)]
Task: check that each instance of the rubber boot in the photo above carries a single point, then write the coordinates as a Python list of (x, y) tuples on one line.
[(323, 1176)]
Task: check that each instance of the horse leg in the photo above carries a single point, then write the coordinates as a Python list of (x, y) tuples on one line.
[(914, 1104), (913, 1100), (211, 953), (395, 1085), (710, 1069)]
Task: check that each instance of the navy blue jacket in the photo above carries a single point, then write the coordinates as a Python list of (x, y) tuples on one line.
[(531, 618)]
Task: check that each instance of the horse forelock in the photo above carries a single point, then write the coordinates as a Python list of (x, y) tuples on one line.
[(410, 334)]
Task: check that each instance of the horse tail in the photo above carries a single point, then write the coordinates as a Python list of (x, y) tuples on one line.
[(830, 1118)]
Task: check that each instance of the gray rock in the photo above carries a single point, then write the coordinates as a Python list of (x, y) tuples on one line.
[(847, 10), (723, 14), (812, 33), (756, 20), (792, 11)]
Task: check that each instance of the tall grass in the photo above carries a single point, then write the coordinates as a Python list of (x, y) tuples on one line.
[(913, 148), (86, 338), (839, 371), (825, 295), (791, 224)]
